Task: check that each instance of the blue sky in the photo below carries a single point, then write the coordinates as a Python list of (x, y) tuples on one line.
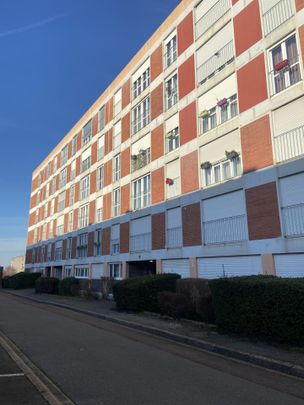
[(57, 56)]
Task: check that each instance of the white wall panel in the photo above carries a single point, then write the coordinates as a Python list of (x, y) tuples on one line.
[(174, 218), (292, 190), (215, 151)]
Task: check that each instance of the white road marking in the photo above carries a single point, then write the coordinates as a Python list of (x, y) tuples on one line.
[(11, 375)]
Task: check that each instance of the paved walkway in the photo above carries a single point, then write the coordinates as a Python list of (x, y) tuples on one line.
[(291, 357)]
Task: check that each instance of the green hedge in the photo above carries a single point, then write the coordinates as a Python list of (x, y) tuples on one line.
[(48, 285), (175, 305), (140, 293), (260, 306), (66, 285), (21, 280)]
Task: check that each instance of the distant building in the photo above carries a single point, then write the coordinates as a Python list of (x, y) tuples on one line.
[(191, 161), (17, 265)]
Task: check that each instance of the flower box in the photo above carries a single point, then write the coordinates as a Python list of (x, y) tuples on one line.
[(281, 65), (222, 102), (169, 182), (204, 114)]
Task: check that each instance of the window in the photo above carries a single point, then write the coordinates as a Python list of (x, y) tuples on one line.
[(67, 272), (73, 169), (81, 272), (141, 192), (141, 115), (61, 202), (53, 186), (72, 195), (64, 156), (82, 245), (221, 171), (116, 202), (99, 205), (102, 118), (117, 135), (171, 92), (60, 226), (70, 221), (115, 234), (172, 140), (217, 115), (100, 150), (284, 65), (69, 248), (116, 271), (48, 170), (47, 190), (171, 51), (86, 160), (63, 178), (84, 216), (49, 252), (100, 177), (44, 231), (53, 206), (87, 133), (74, 145), (173, 183), (141, 83), (117, 102), (85, 187), (97, 242), (58, 250), (116, 168)]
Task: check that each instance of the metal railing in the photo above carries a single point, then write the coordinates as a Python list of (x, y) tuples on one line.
[(170, 56), (276, 15), (140, 243), (282, 79), (174, 237), (225, 230), (212, 16), (289, 144), (293, 219), (114, 246), (175, 189), (217, 62), (140, 160)]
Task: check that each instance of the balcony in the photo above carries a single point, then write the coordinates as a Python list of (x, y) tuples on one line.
[(140, 160), (140, 243), (289, 145), (292, 216), (211, 17), (225, 230), (277, 15), (174, 237)]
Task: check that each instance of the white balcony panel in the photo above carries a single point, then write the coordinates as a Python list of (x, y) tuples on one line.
[(275, 13)]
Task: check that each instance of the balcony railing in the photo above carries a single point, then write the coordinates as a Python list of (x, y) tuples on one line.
[(225, 230), (217, 62), (289, 144), (140, 160), (212, 16), (174, 237), (286, 77), (293, 219), (174, 189), (170, 56), (140, 243), (114, 246), (276, 15)]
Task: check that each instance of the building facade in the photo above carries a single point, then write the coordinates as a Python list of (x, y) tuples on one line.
[(191, 161)]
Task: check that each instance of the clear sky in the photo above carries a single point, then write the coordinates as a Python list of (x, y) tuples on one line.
[(57, 56)]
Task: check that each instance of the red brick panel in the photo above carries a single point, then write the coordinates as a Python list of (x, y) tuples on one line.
[(125, 162), (108, 141), (156, 63), (35, 183), (70, 150), (94, 153), (65, 223), (30, 237), (95, 124), (53, 251), (78, 165), (157, 142), (299, 6), (105, 241), (92, 212), (32, 217), (76, 197), (33, 201), (74, 247), (252, 87), (124, 237), (186, 77), (263, 212), (158, 185), (68, 174), (107, 201), (75, 220), (158, 231), (249, 21), (28, 256), (185, 34), (93, 182), (187, 123), (109, 110), (157, 102), (125, 127), (108, 173), (67, 198), (64, 248), (191, 218), (189, 172), (126, 94), (125, 198), (54, 227), (256, 145), (90, 244), (79, 140)]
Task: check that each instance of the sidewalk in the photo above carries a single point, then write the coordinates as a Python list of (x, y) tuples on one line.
[(286, 359)]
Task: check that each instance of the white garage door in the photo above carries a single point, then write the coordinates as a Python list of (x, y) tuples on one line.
[(179, 266), (97, 271), (229, 266), (289, 265)]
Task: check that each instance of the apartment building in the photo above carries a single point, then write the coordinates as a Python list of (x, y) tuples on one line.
[(191, 161)]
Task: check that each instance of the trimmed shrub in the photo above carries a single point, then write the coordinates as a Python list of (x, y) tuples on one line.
[(199, 294), (140, 293), (65, 285), (262, 306), (47, 285), (175, 305), (21, 280)]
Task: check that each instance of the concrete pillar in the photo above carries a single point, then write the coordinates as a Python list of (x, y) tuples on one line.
[(268, 265), (73, 270), (106, 269), (193, 267), (52, 271), (159, 267), (125, 270)]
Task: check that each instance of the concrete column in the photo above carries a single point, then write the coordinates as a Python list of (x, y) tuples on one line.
[(268, 265), (193, 267), (159, 267), (52, 271), (125, 270), (106, 269), (73, 270)]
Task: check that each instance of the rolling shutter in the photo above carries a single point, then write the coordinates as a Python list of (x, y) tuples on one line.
[(97, 271), (179, 266), (217, 267)]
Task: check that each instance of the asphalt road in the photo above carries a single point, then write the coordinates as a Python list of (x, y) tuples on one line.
[(97, 362)]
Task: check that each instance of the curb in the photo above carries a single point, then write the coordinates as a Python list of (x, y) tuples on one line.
[(257, 360)]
